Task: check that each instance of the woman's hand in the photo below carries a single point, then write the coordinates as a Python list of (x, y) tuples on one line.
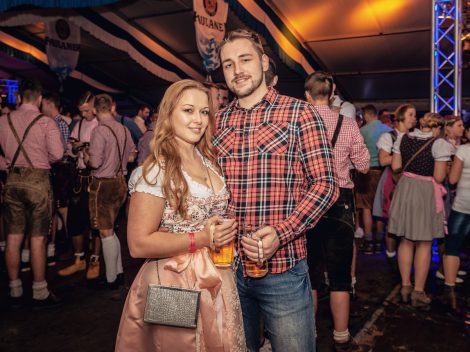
[(224, 231), (204, 238)]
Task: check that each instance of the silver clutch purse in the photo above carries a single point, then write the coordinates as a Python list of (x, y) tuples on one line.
[(172, 306)]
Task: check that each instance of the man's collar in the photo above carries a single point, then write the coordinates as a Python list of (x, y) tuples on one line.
[(270, 97)]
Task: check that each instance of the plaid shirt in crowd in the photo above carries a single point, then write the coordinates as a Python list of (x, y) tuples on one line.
[(64, 130), (349, 148), (279, 169)]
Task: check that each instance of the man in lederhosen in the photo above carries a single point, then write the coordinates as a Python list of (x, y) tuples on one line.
[(78, 224), (62, 172), (31, 142), (111, 148)]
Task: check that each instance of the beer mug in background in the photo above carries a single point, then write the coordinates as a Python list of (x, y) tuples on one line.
[(223, 256), (254, 269)]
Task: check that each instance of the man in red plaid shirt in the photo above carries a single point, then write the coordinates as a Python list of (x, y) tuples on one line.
[(278, 163)]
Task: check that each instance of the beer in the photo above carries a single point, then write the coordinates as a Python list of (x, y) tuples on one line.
[(223, 257), (254, 269)]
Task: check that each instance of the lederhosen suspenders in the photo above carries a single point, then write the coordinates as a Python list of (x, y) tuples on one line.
[(334, 139), (20, 142), (121, 154), (82, 178), (337, 130)]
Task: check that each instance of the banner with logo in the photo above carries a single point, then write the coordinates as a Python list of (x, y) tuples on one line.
[(62, 46), (210, 17)]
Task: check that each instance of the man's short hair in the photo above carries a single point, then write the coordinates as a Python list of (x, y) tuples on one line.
[(319, 84), (29, 90), (86, 98), (54, 98), (103, 103), (244, 34), (371, 109)]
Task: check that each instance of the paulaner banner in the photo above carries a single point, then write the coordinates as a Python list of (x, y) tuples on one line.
[(62, 46), (210, 17)]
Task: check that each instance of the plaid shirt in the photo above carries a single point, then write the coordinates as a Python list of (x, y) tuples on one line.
[(279, 169), (349, 147), (64, 130)]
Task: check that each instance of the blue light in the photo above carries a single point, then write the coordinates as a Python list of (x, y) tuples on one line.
[(12, 87)]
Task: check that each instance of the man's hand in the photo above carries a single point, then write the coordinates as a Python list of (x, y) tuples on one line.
[(250, 248), (86, 156), (269, 241)]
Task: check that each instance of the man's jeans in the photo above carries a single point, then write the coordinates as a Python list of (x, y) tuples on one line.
[(284, 301)]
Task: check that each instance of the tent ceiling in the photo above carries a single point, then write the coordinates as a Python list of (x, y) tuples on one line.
[(379, 50)]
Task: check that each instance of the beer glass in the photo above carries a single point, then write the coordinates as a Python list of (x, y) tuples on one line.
[(254, 269), (223, 256)]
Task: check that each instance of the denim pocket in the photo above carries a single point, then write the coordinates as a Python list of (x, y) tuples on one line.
[(301, 269)]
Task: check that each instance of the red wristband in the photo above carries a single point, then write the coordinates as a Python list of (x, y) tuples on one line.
[(192, 242)]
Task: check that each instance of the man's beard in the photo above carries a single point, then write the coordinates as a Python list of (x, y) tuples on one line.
[(255, 84)]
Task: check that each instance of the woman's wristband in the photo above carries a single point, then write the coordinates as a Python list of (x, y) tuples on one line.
[(192, 242)]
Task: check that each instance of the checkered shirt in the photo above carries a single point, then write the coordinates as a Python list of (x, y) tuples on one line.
[(279, 168), (64, 130), (350, 147)]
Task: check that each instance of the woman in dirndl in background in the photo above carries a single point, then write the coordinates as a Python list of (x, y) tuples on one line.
[(405, 120), (417, 210)]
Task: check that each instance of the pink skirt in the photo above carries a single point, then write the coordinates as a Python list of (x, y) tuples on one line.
[(220, 324)]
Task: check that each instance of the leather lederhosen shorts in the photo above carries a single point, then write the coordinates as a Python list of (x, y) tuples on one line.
[(28, 202), (366, 186), (106, 196)]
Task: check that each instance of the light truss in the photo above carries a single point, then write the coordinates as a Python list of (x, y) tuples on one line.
[(446, 56)]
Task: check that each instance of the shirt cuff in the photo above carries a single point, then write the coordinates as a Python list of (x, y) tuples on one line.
[(284, 233)]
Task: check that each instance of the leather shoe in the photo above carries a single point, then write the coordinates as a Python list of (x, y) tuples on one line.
[(119, 281), (15, 303), (51, 301)]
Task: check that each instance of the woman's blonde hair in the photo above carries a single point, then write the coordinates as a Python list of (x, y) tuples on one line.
[(401, 111), (431, 120), (449, 120), (164, 150)]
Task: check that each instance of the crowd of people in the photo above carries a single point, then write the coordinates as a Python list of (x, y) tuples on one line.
[(298, 187)]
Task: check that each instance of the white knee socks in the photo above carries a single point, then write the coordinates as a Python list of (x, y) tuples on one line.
[(25, 255), (50, 250), (341, 336), (112, 257), (40, 291), (16, 288)]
